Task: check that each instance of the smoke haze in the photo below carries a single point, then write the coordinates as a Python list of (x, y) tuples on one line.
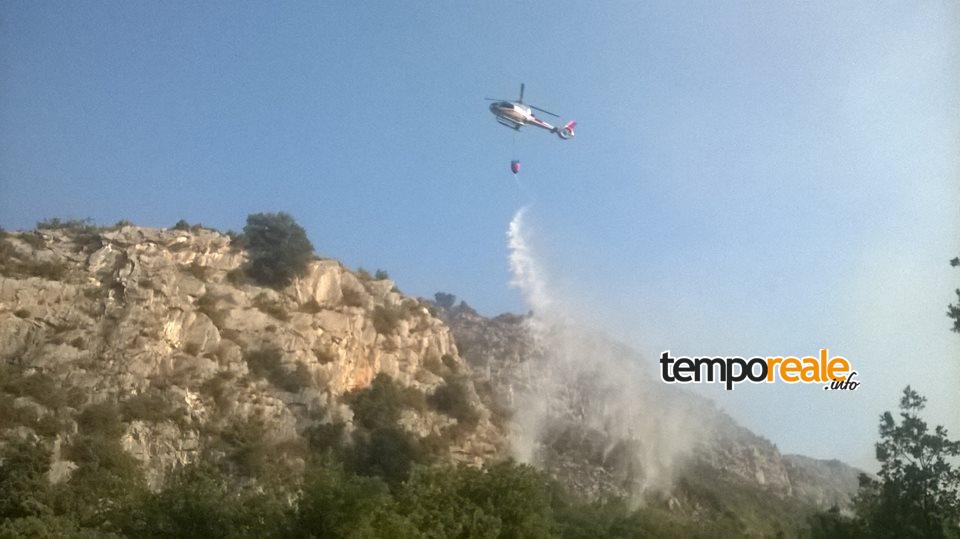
[(590, 396)]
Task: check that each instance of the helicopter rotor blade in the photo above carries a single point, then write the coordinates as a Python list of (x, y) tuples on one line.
[(492, 99), (544, 111), (521, 92)]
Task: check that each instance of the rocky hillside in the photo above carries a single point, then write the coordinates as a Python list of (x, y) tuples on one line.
[(500, 351), (164, 325)]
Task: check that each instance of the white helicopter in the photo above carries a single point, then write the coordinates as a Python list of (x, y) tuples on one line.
[(516, 114)]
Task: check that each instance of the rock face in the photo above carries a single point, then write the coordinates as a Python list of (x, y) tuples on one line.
[(132, 313), (826, 483), (164, 323), (594, 458)]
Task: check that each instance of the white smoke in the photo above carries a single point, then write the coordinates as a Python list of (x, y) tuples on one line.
[(589, 398)]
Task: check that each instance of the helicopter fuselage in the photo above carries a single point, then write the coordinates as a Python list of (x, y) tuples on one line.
[(516, 115)]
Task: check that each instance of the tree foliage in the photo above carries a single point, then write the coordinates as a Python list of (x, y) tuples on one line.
[(278, 246), (380, 446), (445, 300), (917, 492), (199, 501), (953, 310), (23, 486)]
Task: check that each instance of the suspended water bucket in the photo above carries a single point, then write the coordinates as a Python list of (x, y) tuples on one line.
[(515, 166)]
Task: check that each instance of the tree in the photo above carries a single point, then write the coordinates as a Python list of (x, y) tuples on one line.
[(337, 504), (279, 248), (24, 490), (199, 501), (953, 310), (445, 300), (381, 447), (917, 493)]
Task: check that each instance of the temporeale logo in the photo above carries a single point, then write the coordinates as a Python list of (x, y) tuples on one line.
[(835, 373)]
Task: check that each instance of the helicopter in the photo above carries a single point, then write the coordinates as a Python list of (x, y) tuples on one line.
[(516, 114)]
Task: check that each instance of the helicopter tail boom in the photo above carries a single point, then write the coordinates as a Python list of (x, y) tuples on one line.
[(566, 132)]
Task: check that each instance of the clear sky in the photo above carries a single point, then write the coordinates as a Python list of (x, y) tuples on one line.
[(747, 178)]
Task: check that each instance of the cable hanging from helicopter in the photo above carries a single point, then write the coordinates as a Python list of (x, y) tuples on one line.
[(517, 114), (515, 161)]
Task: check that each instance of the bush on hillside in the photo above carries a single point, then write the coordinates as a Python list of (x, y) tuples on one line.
[(267, 363), (445, 300), (453, 399), (278, 247)]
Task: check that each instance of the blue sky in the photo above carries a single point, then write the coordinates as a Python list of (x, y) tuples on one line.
[(746, 178)]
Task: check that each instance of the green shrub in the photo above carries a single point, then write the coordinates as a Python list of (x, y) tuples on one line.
[(7, 251), (51, 270), (413, 398), (268, 363), (445, 300), (33, 239), (381, 447), (218, 387), (272, 307), (380, 275), (67, 224), (387, 452), (279, 249), (149, 406), (24, 489), (12, 416), (198, 501), (386, 320), (237, 241), (107, 481), (83, 231), (40, 387), (46, 526), (453, 399), (247, 452), (354, 298), (378, 405), (76, 397), (48, 425), (324, 355), (101, 419), (323, 437), (505, 500), (337, 504)]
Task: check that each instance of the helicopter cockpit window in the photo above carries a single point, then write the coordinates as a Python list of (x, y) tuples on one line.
[(505, 105)]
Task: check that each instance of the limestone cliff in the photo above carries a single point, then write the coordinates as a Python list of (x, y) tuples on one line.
[(158, 318), (164, 323)]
